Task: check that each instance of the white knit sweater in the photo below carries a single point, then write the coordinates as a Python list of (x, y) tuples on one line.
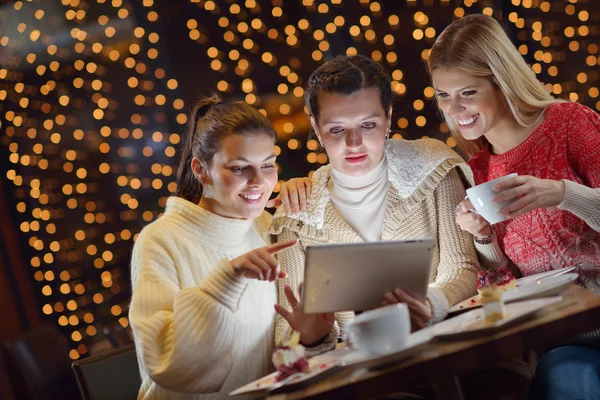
[(199, 328)]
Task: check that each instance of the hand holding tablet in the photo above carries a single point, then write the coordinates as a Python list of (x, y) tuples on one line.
[(355, 276)]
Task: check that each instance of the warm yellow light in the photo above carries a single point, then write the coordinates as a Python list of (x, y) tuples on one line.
[(267, 57), (172, 84), (283, 88), (303, 24), (323, 8)]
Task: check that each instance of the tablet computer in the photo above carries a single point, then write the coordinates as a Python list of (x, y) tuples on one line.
[(355, 276)]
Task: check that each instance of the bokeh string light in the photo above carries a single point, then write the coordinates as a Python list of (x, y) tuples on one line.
[(93, 102)]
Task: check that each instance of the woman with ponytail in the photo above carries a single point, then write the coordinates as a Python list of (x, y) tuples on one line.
[(203, 276)]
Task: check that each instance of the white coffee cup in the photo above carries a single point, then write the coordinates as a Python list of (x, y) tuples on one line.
[(481, 197), (381, 331)]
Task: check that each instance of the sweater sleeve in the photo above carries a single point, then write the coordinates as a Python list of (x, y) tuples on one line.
[(184, 337), (583, 152), (292, 262), (457, 269), (491, 255)]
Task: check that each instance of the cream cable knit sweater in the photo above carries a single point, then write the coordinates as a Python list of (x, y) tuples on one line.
[(198, 327), (425, 189)]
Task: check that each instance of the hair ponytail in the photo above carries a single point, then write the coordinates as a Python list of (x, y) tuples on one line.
[(212, 120), (188, 185)]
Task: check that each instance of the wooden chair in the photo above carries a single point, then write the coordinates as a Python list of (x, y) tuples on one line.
[(118, 336), (112, 375)]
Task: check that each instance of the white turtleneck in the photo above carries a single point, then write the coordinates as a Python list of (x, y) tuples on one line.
[(200, 330), (361, 200)]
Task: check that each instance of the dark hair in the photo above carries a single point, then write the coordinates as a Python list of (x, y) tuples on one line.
[(211, 121), (346, 75)]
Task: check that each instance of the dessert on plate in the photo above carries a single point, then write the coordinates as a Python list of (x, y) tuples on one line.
[(289, 358), (491, 284)]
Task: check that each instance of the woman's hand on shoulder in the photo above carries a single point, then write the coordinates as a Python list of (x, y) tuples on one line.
[(293, 195), (260, 264), (528, 193), (472, 222)]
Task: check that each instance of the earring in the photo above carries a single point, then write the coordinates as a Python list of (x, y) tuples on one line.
[(389, 134)]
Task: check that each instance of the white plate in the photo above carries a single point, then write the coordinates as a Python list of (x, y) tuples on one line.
[(328, 363), (317, 366), (550, 286), (472, 323), (531, 279), (543, 285)]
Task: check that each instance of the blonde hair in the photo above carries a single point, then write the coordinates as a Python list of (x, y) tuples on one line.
[(478, 45)]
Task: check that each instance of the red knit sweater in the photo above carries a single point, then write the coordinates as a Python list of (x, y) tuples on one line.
[(566, 145)]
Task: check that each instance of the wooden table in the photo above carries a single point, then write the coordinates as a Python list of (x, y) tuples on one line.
[(441, 362)]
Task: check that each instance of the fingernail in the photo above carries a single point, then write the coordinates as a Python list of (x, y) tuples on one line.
[(398, 292)]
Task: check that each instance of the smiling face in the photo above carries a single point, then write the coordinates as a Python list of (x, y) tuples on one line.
[(474, 103), (353, 129), (240, 177)]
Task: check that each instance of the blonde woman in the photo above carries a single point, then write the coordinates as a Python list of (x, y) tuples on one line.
[(505, 119)]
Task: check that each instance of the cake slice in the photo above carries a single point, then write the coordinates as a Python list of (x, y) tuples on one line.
[(491, 284), (289, 358)]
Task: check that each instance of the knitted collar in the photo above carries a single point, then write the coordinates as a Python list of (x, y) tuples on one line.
[(227, 232), (409, 165)]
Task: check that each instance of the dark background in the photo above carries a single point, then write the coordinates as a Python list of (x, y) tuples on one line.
[(94, 97)]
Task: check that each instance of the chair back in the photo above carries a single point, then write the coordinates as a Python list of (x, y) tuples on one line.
[(113, 375), (40, 362), (118, 336)]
